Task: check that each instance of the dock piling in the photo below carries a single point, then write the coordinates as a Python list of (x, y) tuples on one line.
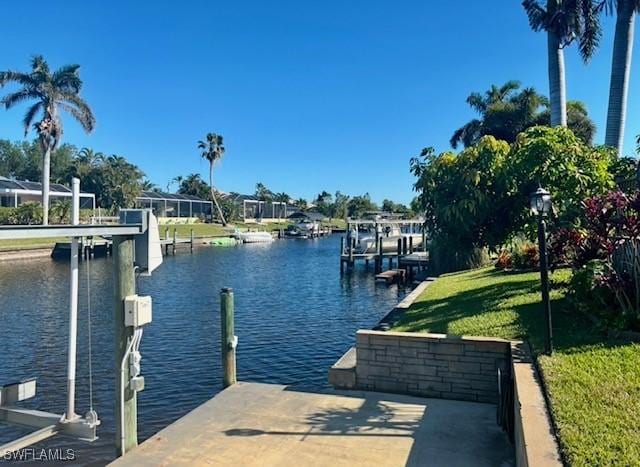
[(124, 286), (174, 241), (191, 241), (228, 339), (379, 256)]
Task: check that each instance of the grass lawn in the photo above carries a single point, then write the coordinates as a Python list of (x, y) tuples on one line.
[(29, 243), (593, 383)]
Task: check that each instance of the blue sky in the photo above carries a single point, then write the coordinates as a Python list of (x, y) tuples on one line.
[(309, 95)]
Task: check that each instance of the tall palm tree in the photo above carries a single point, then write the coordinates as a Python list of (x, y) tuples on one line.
[(564, 21), (213, 150), (52, 92), (625, 11)]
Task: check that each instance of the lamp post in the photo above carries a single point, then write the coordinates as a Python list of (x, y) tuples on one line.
[(541, 206)]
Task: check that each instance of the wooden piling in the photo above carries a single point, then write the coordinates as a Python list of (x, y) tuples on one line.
[(191, 241), (124, 285), (227, 337), (379, 257), (411, 245), (352, 248), (404, 245), (174, 241)]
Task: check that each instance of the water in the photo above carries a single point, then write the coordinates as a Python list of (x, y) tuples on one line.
[(295, 316)]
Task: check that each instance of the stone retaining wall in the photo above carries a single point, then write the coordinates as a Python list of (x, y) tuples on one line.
[(431, 365)]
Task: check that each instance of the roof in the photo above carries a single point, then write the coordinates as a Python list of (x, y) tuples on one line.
[(314, 216), (161, 195), (241, 198), (8, 185)]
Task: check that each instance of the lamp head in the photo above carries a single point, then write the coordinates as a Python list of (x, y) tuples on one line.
[(540, 202)]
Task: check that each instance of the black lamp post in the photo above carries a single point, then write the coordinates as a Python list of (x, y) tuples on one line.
[(541, 206)]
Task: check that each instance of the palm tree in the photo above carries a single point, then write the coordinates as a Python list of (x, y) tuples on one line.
[(564, 21), (177, 180), (52, 93), (213, 150), (620, 68), (471, 132)]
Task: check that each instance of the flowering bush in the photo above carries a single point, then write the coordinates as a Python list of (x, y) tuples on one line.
[(605, 254), (504, 261)]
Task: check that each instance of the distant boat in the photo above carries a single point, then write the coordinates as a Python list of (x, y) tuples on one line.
[(390, 232), (254, 237)]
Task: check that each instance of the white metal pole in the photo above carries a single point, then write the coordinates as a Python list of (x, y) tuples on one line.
[(73, 305)]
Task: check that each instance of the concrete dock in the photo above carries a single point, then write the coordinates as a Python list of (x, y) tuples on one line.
[(253, 424)]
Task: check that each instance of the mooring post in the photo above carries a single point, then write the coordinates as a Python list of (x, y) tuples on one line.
[(191, 241), (379, 256), (174, 240), (424, 239), (352, 247), (228, 338), (404, 245), (411, 245), (124, 285), (341, 246)]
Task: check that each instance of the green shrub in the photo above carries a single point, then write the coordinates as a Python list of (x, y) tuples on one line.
[(27, 213), (526, 256), (589, 294)]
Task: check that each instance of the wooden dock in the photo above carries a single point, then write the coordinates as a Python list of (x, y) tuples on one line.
[(251, 424), (392, 275), (406, 258)]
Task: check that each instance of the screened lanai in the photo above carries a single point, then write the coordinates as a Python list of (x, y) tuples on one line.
[(14, 193), (175, 205)]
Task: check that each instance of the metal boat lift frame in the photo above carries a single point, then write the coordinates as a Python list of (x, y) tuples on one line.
[(50, 424)]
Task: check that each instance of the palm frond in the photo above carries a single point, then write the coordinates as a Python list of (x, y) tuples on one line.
[(27, 121), (39, 65), (538, 16), (17, 97), (16, 77), (477, 102), (67, 78), (81, 110)]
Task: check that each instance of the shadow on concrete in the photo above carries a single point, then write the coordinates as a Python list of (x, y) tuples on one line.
[(441, 432)]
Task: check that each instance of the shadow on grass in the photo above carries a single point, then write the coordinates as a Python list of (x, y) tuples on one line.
[(571, 329)]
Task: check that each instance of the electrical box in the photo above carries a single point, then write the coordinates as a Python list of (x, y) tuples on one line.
[(137, 310)]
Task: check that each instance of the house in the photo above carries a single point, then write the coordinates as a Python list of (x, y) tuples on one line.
[(252, 209), (173, 207), (14, 193)]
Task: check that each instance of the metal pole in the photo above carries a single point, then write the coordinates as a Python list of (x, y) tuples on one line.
[(228, 338), (73, 306), (544, 279)]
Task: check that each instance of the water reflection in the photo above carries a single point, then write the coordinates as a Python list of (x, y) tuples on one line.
[(295, 315)]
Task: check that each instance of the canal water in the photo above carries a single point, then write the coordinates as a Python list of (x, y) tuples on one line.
[(295, 315)]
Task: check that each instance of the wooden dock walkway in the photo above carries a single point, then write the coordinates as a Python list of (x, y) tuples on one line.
[(392, 275), (251, 424)]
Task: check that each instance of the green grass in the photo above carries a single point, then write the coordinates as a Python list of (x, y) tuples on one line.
[(27, 244), (593, 383)]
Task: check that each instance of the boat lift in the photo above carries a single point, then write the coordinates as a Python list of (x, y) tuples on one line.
[(136, 245)]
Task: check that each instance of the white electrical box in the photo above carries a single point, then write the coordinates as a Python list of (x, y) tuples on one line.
[(137, 310)]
